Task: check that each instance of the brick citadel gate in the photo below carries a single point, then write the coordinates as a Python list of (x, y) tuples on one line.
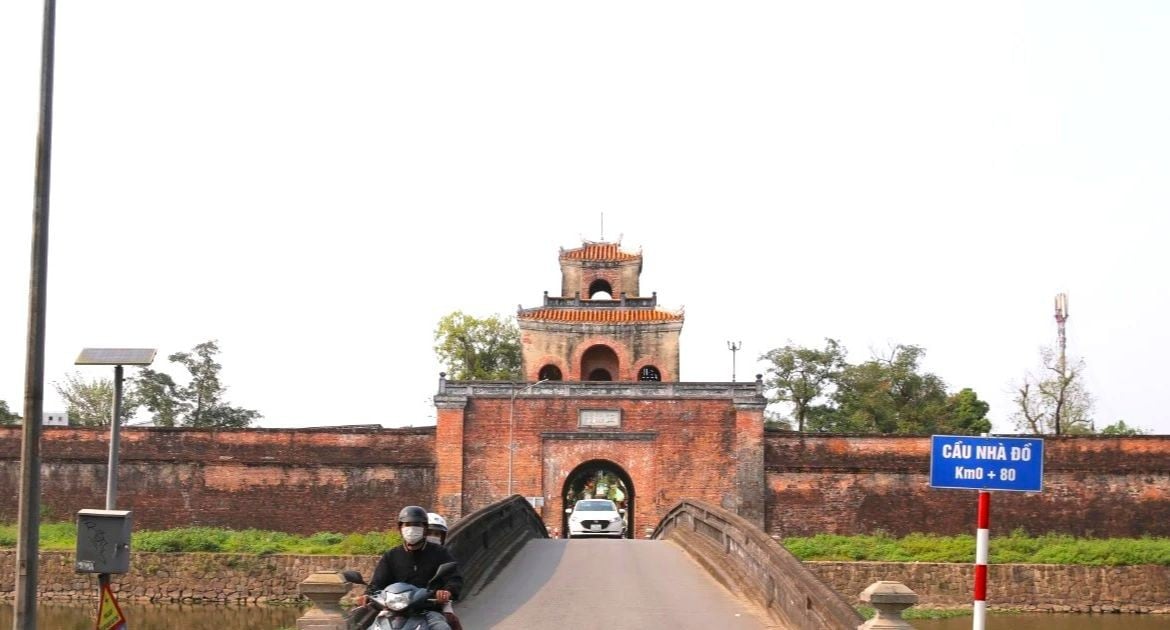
[(602, 411)]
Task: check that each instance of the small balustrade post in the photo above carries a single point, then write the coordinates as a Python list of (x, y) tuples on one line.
[(325, 589), (888, 599)]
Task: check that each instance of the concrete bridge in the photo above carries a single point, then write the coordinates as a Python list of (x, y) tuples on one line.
[(703, 567)]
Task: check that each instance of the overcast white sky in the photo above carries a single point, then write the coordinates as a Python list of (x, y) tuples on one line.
[(315, 184)]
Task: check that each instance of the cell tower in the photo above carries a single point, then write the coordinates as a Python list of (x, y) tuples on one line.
[(1061, 317)]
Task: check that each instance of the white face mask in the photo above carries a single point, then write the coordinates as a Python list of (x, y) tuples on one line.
[(413, 535), (435, 540)]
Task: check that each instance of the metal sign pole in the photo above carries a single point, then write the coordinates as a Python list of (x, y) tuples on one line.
[(115, 426), (983, 528)]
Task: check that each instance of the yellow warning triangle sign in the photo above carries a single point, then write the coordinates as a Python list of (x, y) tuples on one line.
[(110, 617)]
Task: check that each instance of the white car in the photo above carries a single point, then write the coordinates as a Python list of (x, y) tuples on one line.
[(596, 517)]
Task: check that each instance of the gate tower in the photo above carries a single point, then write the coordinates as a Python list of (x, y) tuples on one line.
[(600, 328), (600, 411)]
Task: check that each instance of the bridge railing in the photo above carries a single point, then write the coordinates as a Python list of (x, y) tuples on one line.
[(747, 561), (485, 540)]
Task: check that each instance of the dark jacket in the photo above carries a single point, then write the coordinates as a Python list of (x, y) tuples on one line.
[(415, 567)]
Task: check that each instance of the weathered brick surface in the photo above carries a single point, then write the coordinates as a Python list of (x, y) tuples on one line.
[(671, 449), (635, 346), (263, 478), (860, 484)]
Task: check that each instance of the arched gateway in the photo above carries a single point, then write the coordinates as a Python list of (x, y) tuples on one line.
[(599, 479), (614, 405)]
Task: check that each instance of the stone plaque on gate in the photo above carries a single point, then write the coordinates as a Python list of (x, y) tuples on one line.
[(599, 418)]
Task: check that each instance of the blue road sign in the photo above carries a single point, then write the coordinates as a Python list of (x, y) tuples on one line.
[(986, 463)]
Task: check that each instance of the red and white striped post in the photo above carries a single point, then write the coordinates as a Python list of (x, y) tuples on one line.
[(981, 537)]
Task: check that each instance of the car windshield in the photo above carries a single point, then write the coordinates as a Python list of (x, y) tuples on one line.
[(596, 506)]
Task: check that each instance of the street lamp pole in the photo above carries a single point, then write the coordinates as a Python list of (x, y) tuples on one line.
[(512, 426), (733, 347), (29, 510)]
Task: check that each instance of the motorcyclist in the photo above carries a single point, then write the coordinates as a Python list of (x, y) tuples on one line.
[(437, 535), (415, 562)]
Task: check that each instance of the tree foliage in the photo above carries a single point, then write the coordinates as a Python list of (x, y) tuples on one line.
[(478, 349), (886, 394), (1121, 428), (801, 376), (1055, 399), (7, 417), (199, 403), (90, 402)]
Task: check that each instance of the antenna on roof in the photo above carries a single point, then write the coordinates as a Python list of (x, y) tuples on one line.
[(602, 227)]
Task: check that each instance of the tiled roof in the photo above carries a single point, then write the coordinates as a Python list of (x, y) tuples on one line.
[(601, 316), (599, 252)]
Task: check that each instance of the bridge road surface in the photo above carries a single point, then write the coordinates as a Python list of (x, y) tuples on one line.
[(601, 584)]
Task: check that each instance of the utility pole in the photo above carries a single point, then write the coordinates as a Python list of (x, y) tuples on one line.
[(733, 347), (1061, 317), (29, 512)]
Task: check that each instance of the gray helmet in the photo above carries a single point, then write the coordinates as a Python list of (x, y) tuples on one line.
[(412, 514)]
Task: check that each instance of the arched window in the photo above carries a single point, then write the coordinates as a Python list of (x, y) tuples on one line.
[(549, 373), (600, 374), (599, 363), (649, 373), (600, 286)]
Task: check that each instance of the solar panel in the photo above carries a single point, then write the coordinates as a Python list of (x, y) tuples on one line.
[(116, 356)]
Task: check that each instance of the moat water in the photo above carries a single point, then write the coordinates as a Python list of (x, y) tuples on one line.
[(163, 617), (213, 617)]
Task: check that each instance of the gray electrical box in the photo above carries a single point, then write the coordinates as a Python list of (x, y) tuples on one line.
[(103, 541)]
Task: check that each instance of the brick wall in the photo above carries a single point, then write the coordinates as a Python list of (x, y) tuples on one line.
[(262, 478), (671, 449), (1093, 486)]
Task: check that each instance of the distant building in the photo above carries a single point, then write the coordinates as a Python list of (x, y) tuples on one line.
[(55, 419)]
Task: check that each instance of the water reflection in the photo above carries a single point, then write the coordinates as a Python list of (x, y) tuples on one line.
[(1051, 621), (163, 617)]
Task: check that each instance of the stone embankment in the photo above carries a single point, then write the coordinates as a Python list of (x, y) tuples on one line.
[(243, 578), (1027, 587), (185, 577)]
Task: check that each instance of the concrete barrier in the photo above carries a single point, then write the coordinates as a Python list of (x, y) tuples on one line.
[(745, 560)]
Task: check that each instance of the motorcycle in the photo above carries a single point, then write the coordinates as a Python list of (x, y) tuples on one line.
[(400, 606)]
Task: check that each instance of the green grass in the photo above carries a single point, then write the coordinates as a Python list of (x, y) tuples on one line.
[(1016, 547), (867, 612), (63, 536)]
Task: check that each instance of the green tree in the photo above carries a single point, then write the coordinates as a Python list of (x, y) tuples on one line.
[(157, 393), (7, 417), (1121, 428), (200, 403), (1054, 400), (966, 415), (891, 394), (799, 376), (478, 349), (90, 402)]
